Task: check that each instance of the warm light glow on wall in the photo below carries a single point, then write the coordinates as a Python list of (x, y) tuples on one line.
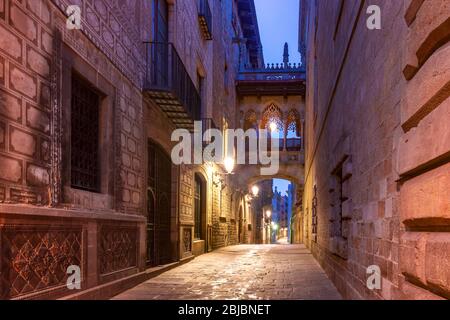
[(210, 169)]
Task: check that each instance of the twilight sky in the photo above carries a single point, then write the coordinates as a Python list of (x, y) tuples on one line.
[(278, 23)]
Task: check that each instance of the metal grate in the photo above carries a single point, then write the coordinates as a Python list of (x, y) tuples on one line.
[(84, 136), (314, 212), (117, 248), (36, 258), (198, 208), (159, 206), (169, 84)]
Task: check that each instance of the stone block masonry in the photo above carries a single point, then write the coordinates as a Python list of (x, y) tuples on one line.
[(387, 91), (36, 200)]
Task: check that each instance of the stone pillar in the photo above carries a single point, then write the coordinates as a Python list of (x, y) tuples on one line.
[(92, 275), (302, 134)]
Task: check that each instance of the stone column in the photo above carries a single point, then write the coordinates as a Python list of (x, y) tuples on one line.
[(302, 133)]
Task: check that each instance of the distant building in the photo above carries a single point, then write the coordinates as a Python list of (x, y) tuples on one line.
[(377, 173), (281, 206)]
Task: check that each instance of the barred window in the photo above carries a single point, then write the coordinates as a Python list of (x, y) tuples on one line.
[(85, 171)]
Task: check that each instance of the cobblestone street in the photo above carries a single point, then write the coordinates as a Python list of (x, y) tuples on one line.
[(242, 272)]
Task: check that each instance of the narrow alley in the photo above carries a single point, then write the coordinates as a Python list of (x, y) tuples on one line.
[(249, 272), (224, 149)]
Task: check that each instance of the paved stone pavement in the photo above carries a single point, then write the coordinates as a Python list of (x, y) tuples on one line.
[(271, 272)]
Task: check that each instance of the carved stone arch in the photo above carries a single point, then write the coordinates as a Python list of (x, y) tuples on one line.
[(272, 113), (293, 122)]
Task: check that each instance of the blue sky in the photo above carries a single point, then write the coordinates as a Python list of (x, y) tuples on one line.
[(282, 185), (278, 23)]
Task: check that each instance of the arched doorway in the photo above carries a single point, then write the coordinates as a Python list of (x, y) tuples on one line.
[(241, 226), (158, 205), (200, 221), (274, 208)]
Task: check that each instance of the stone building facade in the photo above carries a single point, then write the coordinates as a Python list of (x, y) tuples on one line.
[(377, 146), (85, 173)]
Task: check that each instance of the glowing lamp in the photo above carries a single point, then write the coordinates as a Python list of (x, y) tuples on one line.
[(255, 190), (229, 164), (273, 126)]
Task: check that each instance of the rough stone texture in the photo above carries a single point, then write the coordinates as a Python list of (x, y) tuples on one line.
[(250, 272), (11, 169), (10, 106), (10, 44), (422, 198), (32, 37), (356, 88), (425, 260)]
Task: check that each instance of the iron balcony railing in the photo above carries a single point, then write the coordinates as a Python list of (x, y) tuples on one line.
[(205, 18), (169, 83), (288, 144)]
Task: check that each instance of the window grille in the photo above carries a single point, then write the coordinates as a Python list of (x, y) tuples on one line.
[(85, 171)]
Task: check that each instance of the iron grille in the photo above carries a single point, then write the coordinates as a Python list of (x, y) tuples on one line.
[(159, 210), (84, 136), (198, 208), (169, 84)]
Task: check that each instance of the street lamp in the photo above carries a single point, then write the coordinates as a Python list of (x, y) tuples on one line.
[(228, 162), (268, 214), (273, 126), (255, 190)]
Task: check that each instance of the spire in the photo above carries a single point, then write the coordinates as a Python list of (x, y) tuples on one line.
[(286, 54)]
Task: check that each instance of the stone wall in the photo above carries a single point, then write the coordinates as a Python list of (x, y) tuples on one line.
[(38, 55), (424, 152), (376, 147)]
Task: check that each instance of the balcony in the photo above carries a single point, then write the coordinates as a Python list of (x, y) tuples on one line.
[(168, 84), (273, 79), (205, 19), (293, 144), (288, 144)]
